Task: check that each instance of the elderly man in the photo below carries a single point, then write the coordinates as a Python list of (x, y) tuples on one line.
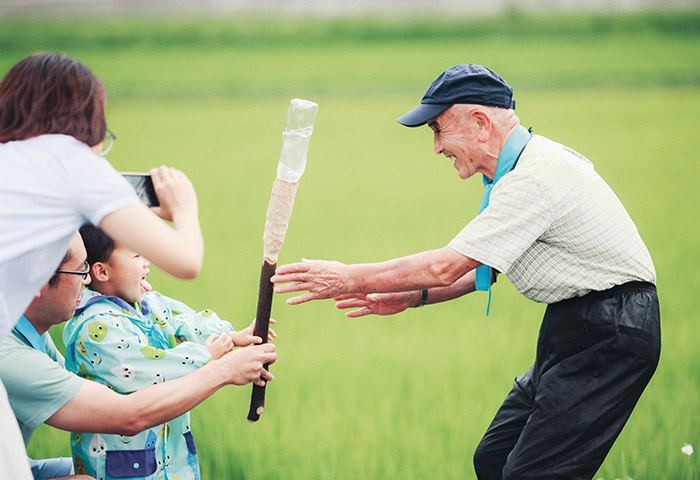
[(551, 224), (42, 391)]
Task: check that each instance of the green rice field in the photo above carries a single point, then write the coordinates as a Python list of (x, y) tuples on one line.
[(404, 397)]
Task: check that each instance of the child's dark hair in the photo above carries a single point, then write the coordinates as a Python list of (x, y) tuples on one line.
[(98, 245)]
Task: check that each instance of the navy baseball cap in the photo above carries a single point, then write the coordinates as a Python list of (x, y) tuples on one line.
[(470, 83)]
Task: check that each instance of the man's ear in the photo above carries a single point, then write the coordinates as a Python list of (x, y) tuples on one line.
[(98, 271), (483, 123), (41, 292)]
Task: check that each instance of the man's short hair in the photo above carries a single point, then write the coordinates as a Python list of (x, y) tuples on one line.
[(53, 281), (98, 244)]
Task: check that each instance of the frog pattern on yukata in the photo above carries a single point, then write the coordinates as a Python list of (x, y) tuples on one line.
[(129, 347)]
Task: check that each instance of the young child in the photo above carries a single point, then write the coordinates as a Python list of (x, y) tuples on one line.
[(128, 337)]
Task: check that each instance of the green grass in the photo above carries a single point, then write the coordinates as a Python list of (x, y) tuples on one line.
[(406, 396)]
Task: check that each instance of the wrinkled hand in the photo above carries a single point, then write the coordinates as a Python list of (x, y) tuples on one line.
[(174, 191), (246, 365), (218, 347), (320, 278), (245, 337), (375, 303)]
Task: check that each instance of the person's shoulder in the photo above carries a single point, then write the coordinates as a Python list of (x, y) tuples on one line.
[(95, 303), (15, 350), (540, 147), (106, 312), (157, 302), (69, 157), (550, 161), (95, 308), (51, 349), (59, 145), (72, 154), (54, 154), (12, 341), (543, 149), (156, 296), (160, 303), (13, 337)]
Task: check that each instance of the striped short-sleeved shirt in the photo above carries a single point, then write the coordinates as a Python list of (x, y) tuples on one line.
[(556, 229)]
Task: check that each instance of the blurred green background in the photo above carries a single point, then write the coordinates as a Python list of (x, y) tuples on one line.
[(406, 396)]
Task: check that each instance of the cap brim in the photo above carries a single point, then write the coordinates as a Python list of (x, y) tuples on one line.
[(422, 113)]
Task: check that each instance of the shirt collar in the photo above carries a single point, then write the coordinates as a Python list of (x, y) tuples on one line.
[(27, 330), (510, 153), (141, 310)]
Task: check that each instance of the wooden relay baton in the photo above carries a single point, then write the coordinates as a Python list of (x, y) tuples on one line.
[(295, 144)]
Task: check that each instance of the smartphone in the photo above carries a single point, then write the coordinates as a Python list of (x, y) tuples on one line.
[(143, 184)]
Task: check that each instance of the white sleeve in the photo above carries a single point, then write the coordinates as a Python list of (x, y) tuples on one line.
[(99, 188)]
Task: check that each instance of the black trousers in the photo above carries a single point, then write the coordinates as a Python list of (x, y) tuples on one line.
[(595, 356)]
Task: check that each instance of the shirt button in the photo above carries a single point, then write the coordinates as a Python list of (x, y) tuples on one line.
[(136, 465)]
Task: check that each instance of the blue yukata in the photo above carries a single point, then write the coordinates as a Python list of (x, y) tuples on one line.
[(129, 347)]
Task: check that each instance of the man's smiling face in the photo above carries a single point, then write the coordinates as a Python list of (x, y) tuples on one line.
[(454, 137)]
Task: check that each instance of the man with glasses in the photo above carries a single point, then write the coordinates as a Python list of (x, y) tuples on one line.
[(52, 131), (42, 391), (29, 336)]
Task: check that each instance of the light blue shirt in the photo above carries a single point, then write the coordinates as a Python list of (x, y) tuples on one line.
[(37, 383), (25, 327)]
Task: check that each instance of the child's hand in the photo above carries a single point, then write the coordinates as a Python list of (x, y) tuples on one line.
[(218, 347), (245, 337)]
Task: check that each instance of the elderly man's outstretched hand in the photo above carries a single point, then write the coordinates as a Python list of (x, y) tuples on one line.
[(319, 278), (376, 303)]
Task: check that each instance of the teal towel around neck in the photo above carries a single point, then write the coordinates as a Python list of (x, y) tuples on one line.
[(506, 162)]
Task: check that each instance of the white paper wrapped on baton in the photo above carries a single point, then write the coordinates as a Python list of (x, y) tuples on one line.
[(292, 163)]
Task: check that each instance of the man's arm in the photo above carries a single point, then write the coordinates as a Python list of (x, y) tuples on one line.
[(435, 268), (397, 302), (466, 284), (97, 409)]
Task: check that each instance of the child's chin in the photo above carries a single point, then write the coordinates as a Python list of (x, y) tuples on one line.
[(135, 298)]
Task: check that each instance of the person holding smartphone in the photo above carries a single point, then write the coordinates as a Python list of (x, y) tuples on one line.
[(42, 390), (52, 131)]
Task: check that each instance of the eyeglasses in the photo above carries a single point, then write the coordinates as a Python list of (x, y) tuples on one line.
[(107, 143), (84, 273)]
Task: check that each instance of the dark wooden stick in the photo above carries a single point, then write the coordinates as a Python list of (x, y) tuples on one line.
[(262, 328)]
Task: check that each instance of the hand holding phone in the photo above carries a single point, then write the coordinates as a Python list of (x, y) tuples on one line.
[(176, 194)]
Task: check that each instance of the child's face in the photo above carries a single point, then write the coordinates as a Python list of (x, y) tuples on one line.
[(127, 274)]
